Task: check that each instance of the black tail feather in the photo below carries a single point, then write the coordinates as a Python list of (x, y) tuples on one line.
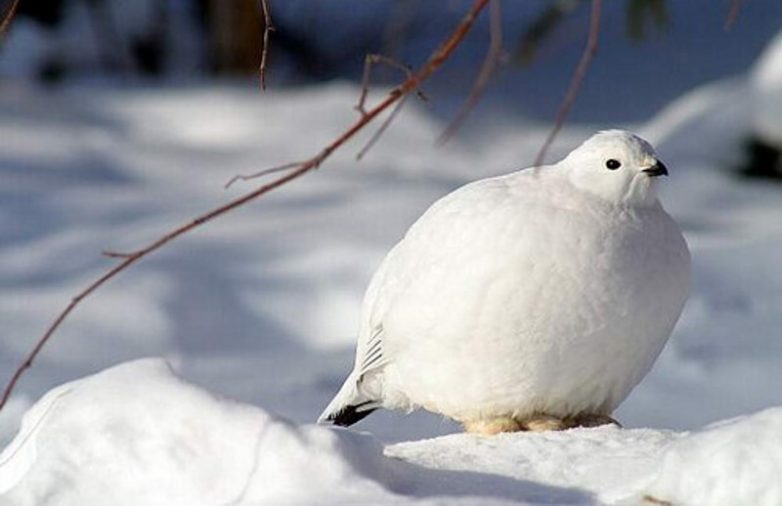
[(351, 414)]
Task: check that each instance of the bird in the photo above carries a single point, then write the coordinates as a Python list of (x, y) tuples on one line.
[(531, 301)]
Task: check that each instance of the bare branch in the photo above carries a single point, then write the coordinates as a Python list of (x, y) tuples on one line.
[(8, 16), (578, 77), (264, 172), (382, 129), (493, 58), (267, 28), (733, 14), (370, 61), (411, 83)]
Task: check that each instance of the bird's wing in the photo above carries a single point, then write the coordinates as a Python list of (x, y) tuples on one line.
[(402, 266), (448, 236), (439, 238), (372, 353), (357, 397), (369, 350)]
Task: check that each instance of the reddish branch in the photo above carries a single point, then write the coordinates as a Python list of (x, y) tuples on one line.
[(369, 63), (410, 84), (577, 80), (261, 173), (372, 140), (490, 63), (267, 27), (8, 16)]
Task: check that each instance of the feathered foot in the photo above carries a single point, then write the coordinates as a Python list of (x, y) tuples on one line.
[(492, 426), (537, 423), (534, 423), (541, 423)]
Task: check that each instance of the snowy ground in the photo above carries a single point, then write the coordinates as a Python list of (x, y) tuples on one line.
[(262, 305), (139, 435)]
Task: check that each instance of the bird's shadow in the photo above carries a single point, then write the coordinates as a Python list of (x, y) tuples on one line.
[(368, 458), (416, 481)]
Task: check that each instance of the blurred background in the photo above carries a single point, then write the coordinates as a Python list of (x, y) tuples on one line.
[(121, 119), (651, 51)]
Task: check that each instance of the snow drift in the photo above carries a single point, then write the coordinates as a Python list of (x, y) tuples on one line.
[(137, 434), (729, 463)]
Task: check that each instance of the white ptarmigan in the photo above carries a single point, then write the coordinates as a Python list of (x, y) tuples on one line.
[(531, 301)]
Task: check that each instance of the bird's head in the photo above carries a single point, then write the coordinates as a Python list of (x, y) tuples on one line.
[(616, 165)]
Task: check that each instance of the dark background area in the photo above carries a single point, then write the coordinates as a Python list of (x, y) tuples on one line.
[(651, 51)]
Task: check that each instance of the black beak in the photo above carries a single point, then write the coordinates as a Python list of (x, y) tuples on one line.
[(658, 169)]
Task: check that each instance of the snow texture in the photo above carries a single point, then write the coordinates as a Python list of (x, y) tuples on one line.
[(138, 434), (733, 462)]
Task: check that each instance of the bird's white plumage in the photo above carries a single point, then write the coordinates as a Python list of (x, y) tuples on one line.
[(549, 290)]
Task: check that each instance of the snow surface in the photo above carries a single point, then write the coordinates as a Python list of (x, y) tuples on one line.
[(138, 434), (262, 305), (734, 462)]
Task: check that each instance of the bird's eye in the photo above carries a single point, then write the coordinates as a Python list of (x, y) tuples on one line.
[(612, 164)]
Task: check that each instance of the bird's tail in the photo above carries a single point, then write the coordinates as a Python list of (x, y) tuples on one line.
[(349, 405)]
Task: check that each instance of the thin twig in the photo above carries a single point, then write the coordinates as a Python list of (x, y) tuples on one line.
[(371, 142), (261, 173), (493, 58), (432, 64), (8, 16), (575, 83), (267, 28), (369, 62), (733, 14)]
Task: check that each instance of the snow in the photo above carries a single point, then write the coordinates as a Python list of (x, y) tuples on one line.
[(138, 434), (606, 463), (141, 435), (738, 461), (262, 306)]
